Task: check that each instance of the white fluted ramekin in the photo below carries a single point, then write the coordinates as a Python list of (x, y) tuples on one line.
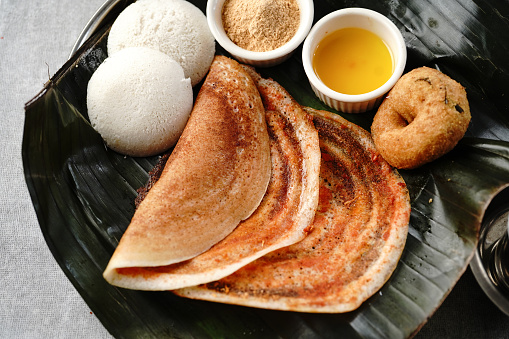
[(360, 18)]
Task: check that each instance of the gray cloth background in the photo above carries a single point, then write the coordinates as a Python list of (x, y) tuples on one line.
[(36, 299)]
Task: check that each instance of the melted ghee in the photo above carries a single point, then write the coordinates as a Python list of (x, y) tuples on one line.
[(353, 61)]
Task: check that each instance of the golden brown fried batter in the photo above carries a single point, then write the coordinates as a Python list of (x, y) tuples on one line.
[(422, 118)]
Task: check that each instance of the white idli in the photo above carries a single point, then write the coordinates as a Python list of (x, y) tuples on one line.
[(139, 101), (175, 27)]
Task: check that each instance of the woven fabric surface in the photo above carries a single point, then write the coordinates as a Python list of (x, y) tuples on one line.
[(36, 298)]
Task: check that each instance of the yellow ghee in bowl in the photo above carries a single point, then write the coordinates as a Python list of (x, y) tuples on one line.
[(353, 61)]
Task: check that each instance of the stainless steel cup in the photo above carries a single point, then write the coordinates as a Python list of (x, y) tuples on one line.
[(490, 264)]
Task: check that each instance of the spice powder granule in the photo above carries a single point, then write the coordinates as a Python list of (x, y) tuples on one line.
[(260, 25)]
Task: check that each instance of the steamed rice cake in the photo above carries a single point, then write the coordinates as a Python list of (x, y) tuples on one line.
[(139, 101), (175, 27)]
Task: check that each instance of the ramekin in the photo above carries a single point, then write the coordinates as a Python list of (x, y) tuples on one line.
[(259, 59), (360, 18)]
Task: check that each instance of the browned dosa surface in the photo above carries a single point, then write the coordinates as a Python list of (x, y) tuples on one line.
[(216, 176), (283, 217), (359, 232)]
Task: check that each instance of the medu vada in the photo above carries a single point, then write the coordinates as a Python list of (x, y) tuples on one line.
[(422, 118)]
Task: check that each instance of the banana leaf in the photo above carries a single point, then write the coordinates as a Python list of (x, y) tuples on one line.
[(83, 193)]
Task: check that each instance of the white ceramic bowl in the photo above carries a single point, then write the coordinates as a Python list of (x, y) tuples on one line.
[(360, 18), (259, 59)]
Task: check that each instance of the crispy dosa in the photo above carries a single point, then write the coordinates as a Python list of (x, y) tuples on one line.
[(215, 177), (359, 232), (284, 215)]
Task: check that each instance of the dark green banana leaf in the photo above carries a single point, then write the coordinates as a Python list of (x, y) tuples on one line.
[(83, 193)]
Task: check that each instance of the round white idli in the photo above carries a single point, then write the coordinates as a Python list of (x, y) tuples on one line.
[(175, 27), (139, 101)]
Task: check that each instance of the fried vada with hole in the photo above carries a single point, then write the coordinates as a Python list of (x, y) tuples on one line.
[(422, 118)]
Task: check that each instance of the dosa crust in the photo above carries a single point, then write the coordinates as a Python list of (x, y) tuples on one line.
[(358, 235), (215, 177), (283, 217)]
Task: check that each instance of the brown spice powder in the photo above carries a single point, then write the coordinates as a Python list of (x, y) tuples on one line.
[(260, 25)]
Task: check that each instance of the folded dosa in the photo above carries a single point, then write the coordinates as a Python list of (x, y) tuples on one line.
[(215, 177), (359, 232), (283, 217)]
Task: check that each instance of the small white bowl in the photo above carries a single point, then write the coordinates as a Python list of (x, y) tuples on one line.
[(359, 18), (259, 59)]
